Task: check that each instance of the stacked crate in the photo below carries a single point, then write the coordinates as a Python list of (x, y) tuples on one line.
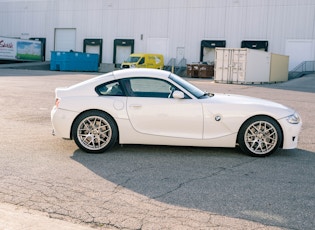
[(200, 70)]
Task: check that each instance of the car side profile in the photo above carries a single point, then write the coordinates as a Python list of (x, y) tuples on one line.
[(156, 107)]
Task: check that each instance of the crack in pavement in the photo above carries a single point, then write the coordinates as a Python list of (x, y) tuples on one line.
[(219, 170)]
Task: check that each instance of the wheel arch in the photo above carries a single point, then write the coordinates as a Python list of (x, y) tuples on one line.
[(261, 115), (91, 110)]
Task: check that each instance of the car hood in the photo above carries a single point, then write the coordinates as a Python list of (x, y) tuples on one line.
[(250, 105), (240, 99)]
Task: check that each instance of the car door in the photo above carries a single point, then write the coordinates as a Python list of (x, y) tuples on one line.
[(153, 111)]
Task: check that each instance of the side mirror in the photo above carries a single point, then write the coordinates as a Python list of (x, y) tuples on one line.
[(178, 94)]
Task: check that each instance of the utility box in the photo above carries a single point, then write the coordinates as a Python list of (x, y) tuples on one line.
[(245, 66)]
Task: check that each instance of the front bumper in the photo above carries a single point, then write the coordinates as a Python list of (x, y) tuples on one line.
[(290, 133)]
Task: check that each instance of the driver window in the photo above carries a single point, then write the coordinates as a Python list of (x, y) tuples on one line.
[(141, 61), (148, 87)]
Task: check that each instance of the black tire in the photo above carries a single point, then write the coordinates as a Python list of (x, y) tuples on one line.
[(260, 136), (94, 132)]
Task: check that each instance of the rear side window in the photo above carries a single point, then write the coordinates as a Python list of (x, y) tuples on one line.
[(110, 89)]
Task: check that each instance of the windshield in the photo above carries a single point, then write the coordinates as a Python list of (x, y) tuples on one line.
[(189, 87), (133, 59)]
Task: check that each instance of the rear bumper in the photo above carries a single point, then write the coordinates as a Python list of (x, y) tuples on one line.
[(61, 121)]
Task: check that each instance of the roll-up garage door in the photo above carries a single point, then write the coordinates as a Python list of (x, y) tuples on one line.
[(65, 39)]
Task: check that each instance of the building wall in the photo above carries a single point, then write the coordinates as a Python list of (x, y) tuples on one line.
[(168, 25)]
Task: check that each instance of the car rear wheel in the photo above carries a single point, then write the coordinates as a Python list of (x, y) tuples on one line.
[(260, 136), (94, 132)]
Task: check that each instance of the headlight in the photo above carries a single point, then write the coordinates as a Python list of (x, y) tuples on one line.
[(294, 118)]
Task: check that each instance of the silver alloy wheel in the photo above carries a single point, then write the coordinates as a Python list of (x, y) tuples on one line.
[(94, 132), (261, 137)]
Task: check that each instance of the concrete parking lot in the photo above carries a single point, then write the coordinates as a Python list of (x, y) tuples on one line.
[(152, 187)]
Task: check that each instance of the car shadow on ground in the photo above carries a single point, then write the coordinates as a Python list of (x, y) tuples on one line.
[(272, 190)]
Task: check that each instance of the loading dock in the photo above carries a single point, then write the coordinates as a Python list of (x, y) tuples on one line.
[(205, 68), (257, 45), (93, 45), (122, 50)]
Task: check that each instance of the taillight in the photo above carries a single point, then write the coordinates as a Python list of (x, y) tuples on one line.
[(57, 102)]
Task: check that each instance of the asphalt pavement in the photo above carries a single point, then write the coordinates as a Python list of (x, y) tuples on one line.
[(171, 174), (14, 217)]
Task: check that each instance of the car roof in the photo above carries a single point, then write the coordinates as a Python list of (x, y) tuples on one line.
[(141, 72), (120, 74)]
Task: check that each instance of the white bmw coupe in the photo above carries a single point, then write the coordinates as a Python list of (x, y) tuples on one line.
[(156, 107)]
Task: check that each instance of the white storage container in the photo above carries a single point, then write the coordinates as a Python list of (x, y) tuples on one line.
[(245, 66)]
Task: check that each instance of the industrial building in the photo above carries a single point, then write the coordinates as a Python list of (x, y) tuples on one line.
[(189, 29)]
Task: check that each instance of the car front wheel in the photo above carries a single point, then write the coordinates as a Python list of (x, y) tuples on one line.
[(94, 132), (260, 136)]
